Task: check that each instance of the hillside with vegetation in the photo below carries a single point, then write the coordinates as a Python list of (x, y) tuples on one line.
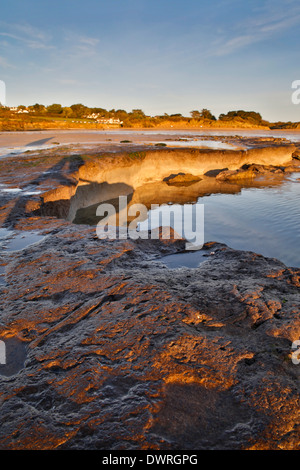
[(79, 116)]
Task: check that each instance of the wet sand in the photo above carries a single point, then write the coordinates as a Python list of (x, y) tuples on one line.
[(39, 139)]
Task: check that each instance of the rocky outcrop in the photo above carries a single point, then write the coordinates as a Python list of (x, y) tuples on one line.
[(133, 170), (151, 166), (253, 171), (123, 353)]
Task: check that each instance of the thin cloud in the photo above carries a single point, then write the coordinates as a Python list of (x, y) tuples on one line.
[(79, 39), (280, 25), (263, 26), (89, 41), (77, 46), (29, 36)]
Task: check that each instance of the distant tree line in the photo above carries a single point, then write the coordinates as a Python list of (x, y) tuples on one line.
[(245, 115), (204, 114), (137, 116), (82, 111)]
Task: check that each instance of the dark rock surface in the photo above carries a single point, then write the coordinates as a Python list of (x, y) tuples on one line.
[(122, 353)]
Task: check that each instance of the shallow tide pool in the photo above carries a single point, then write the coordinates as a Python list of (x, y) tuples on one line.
[(263, 220), (11, 240)]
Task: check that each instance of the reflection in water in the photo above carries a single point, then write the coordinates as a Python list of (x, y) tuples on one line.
[(16, 241), (266, 221), (189, 259), (259, 217)]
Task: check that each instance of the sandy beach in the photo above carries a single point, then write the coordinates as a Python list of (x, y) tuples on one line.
[(40, 139)]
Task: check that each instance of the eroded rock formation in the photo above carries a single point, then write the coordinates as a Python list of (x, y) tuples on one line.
[(100, 179)]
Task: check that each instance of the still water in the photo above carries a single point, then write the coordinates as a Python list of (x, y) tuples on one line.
[(264, 220)]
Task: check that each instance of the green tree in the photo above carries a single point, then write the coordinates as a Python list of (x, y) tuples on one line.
[(138, 113), (206, 114), (103, 112), (38, 108), (54, 108), (79, 110), (195, 114), (121, 114), (67, 112), (250, 116)]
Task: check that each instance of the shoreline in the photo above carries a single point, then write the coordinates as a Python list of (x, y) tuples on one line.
[(30, 139)]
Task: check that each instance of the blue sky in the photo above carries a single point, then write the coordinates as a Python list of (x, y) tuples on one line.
[(161, 56)]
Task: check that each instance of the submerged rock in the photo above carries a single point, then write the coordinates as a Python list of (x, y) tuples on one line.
[(254, 171), (182, 179)]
